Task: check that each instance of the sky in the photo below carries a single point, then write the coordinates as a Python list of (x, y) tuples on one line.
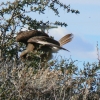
[(84, 26)]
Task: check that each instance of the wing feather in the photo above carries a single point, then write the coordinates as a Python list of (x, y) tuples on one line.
[(23, 36)]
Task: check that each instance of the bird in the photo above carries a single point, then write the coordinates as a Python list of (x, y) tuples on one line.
[(49, 45), (39, 41)]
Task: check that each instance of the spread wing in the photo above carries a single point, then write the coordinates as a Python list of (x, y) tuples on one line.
[(46, 41)]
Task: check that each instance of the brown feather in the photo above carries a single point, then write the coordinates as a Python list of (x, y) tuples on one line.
[(67, 38), (23, 36)]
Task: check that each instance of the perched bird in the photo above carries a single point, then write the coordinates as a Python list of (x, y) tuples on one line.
[(40, 41), (49, 45)]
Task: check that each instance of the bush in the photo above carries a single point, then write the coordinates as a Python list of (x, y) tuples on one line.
[(54, 81)]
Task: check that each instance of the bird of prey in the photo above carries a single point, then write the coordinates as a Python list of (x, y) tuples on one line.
[(48, 45), (37, 40)]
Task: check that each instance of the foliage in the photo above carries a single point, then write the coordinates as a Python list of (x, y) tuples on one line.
[(65, 82)]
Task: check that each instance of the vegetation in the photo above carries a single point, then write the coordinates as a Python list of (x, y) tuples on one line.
[(32, 80)]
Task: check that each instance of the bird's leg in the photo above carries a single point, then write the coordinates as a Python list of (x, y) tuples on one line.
[(29, 48)]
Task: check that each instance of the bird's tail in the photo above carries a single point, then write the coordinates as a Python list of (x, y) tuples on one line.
[(67, 38)]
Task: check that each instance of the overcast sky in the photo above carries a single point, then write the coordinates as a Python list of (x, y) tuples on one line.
[(85, 27)]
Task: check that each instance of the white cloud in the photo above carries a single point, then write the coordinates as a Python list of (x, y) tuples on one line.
[(24, 29), (57, 33)]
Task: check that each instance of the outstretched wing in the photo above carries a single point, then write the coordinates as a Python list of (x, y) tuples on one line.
[(53, 44), (67, 38)]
